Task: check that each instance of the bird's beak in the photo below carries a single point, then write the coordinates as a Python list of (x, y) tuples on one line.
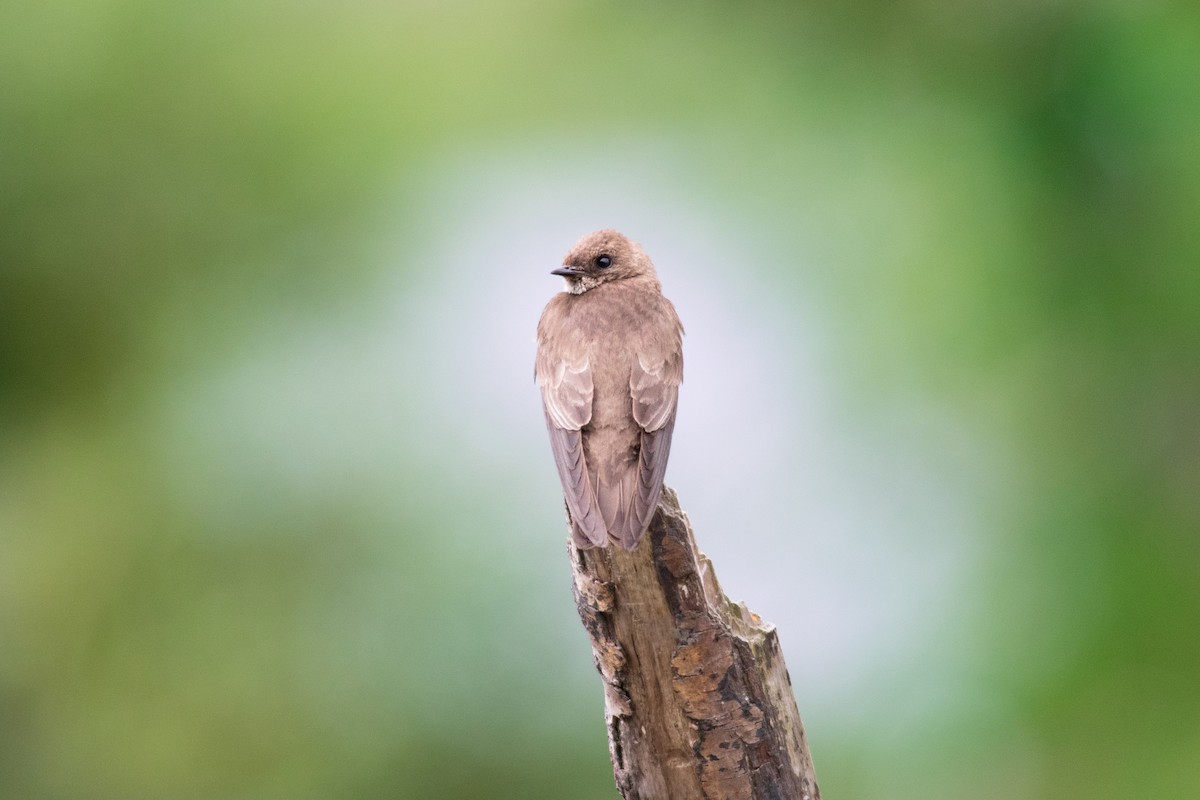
[(567, 272)]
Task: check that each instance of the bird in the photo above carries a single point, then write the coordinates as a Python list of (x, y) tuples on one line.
[(609, 365)]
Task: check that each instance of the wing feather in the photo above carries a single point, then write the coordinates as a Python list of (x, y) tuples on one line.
[(652, 466), (567, 393), (654, 388), (567, 446)]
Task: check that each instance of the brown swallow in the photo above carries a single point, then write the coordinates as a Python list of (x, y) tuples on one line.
[(609, 364)]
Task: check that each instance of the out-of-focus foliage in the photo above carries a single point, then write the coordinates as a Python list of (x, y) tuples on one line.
[(251, 547)]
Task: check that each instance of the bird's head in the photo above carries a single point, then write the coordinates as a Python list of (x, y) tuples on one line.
[(601, 257)]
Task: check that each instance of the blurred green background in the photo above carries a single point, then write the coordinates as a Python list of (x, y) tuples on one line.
[(277, 514)]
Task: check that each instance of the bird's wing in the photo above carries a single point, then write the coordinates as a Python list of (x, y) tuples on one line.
[(654, 386), (566, 385)]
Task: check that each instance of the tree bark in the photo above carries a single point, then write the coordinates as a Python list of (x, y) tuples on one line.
[(697, 697)]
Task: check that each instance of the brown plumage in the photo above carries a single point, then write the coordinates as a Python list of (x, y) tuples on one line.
[(609, 365)]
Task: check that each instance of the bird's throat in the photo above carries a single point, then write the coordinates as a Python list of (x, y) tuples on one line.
[(581, 284)]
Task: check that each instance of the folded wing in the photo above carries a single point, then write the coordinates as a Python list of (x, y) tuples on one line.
[(654, 388), (567, 390)]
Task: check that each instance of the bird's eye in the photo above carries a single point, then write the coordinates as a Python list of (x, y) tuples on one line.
[(604, 262)]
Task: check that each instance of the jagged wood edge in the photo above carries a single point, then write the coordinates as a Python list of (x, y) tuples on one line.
[(698, 701)]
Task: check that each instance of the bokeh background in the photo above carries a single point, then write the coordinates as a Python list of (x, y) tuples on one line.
[(278, 518)]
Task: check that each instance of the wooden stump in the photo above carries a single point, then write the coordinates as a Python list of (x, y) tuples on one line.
[(697, 696)]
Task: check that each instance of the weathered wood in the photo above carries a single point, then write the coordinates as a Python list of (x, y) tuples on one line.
[(697, 696)]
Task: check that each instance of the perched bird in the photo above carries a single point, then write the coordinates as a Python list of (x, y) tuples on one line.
[(609, 364)]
